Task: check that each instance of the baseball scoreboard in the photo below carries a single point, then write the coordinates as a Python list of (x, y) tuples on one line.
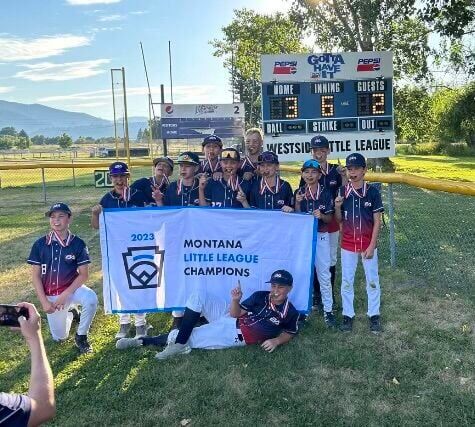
[(183, 121), (347, 97)]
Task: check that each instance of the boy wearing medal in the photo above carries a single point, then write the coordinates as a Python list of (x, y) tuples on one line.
[(314, 199), (270, 191), (230, 191), (249, 166), (212, 146), (358, 208), (122, 196), (59, 263)]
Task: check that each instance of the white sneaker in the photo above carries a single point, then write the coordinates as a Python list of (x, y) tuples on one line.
[(124, 343), (123, 331), (142, 331), (173, 349)]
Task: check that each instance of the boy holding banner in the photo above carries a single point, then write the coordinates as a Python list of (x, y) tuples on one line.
[(183, 192), (122, 196), (228, 192), (314, 199), (358, 208), (270, 191), (267, 318), (162, 170), (249, 166)]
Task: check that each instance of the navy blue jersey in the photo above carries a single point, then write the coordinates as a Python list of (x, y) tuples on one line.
[(15, 410), (263, 197), (330, 179), (59, 264), (322, 200), (146, 186), (112, 200), (181, 195), (265, 320), (221, 195), (357, 214), (208, 168)]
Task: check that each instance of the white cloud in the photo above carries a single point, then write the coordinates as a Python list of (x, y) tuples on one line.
[(139, 12), (17, 49), (88, 2), (58, 72), (5, 89), (181, 94), (89, 105), (111, 18), (96, 30)]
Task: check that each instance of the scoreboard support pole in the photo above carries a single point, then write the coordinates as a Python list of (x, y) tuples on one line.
[(162, 99)]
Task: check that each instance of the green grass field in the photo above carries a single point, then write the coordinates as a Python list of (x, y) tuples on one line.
[(420, 371)]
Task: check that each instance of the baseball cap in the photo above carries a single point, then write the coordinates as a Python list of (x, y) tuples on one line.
[(165, 160), (118, 168), (212, 139), (188, 157), (268, 157), (356, 159), (230, 153), (319, 141), (310, 164), (281, 277), (63, 207)]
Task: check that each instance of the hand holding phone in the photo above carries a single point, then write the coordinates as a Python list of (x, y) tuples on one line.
[(9, 314)]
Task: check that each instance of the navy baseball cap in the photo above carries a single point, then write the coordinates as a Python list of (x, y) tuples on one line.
[(63, 207), (319, 141), (212, 139), (230, 153), (119, 168), (188, 157), (268, 157), (165, 160), (281, 277), (356, 159), (310, 164)]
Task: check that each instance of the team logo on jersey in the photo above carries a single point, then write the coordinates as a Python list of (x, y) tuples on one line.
[(70, 257), (367, 204), (274, 320), (143, 266), (280, 202)]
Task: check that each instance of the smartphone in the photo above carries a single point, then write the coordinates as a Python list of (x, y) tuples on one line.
[(9, 314)]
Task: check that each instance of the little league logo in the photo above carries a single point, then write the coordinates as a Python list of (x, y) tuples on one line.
[(143, 266)]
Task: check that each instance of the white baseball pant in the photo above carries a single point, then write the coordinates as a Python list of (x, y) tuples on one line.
[(349, 262), (124, 319), (322, 265), (220, 332), (60, 321), (334, 245)]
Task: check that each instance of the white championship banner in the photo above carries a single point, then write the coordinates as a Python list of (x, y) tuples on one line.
[(153, 258)]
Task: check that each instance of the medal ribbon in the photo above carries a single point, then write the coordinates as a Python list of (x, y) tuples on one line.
[(326, 170), (125, 196), (249, 162), (211, 168), (164, 180), (350, 189), (233, 184), (284, 311), (265, 186), (54, 234), (179, 187), (312, 196)]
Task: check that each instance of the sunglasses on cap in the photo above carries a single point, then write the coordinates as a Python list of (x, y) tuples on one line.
[(230, 154)]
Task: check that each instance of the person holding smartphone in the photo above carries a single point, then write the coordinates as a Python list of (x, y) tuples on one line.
[(38, 406)]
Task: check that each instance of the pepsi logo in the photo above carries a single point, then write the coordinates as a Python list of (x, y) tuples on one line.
[(169, 109)]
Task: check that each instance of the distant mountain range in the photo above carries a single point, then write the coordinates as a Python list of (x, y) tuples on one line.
[(37, 119)]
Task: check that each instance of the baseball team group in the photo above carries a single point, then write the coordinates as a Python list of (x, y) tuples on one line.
[(348, 210)]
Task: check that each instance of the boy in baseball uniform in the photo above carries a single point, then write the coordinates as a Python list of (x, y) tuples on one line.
[(266, 318), (358, 208), (60, 267)]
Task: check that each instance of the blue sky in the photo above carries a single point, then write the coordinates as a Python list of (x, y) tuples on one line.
[(59, 52)]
